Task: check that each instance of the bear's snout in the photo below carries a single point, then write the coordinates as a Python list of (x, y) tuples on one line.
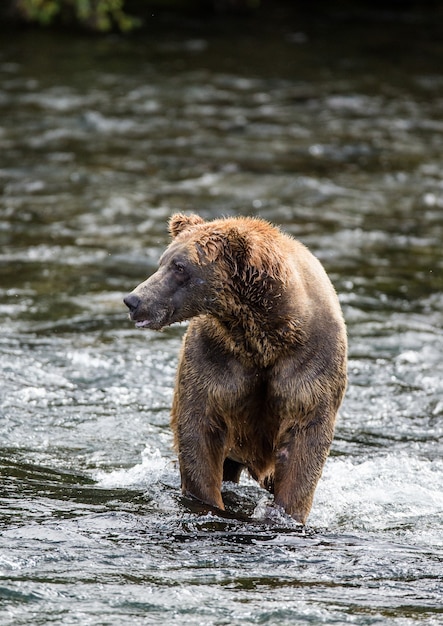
[(141, 315), (132, 301)]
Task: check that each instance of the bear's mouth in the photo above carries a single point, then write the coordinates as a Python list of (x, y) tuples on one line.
[(143, 324), (152, 324)]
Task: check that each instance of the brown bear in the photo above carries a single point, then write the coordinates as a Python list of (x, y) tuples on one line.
[(262, 370)]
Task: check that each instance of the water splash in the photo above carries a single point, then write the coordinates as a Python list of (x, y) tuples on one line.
[(153, 468), (393, 492)]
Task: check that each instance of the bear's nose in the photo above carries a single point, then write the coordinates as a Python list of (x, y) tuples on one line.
[(132, 301)]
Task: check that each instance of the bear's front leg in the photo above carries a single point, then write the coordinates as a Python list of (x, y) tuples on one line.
[(301, 454), (201, 457)]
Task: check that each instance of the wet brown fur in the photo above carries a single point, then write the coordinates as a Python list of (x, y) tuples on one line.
[(262, 370)]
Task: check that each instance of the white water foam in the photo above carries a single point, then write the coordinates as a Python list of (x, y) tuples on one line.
[(396, 492), (154, 468)]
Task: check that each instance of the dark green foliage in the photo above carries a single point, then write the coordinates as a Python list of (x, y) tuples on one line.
[(99, 15)]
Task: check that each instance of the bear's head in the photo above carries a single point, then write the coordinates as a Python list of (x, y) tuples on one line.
[(192, 273)]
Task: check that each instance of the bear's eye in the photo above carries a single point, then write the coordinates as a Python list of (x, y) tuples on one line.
[(180, 271), (179, 267)]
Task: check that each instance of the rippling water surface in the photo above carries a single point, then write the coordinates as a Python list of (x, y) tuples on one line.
[(331, 129)]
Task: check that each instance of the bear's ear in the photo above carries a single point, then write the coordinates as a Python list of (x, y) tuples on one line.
[(180, 222)]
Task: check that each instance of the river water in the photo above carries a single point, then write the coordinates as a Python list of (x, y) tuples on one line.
[(330, 128)]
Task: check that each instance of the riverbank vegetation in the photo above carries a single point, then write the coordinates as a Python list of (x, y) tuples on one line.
[(106, 15)]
